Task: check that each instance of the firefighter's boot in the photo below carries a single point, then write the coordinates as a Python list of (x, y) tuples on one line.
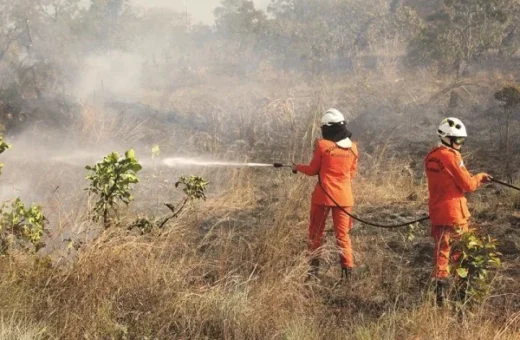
[(346, 274), (441, 291), (314, 267)]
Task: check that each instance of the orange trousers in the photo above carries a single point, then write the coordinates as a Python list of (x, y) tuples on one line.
[(443, 236), (342, 226)]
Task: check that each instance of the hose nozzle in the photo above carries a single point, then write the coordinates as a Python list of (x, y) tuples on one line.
[(280, 165)]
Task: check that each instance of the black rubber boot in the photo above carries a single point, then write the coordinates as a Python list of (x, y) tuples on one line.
[(346, 274), (314, 268), (462, 288), (441, 291)]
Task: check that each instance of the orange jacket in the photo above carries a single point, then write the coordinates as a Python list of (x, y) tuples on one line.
[(448, 180), (336, 167)]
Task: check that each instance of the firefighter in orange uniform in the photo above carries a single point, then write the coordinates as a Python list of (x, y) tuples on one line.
[(335, 162), (448, 180)]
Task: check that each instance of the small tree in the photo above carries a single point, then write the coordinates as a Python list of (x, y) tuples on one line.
[(195, 189), (21, 227), (509, 99), (111, 181), (472, 269), (239, 21)]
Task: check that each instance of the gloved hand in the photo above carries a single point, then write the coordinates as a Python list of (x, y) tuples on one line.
[(484, 177), (294, 168)]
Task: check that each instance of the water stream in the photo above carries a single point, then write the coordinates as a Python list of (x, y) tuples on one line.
[(175, 162)]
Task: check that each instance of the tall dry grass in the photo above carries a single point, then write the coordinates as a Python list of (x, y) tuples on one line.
[(12, 328), (239, 273)]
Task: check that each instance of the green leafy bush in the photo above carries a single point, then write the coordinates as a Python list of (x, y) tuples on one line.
[(478, 255), (194, 187), (21, 227), (111, 181), (3, 147)]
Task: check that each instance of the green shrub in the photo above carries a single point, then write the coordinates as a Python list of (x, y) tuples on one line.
[(21, 227), (478, 255), (111, 181)]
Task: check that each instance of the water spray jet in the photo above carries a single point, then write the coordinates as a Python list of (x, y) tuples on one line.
[(173, 162)]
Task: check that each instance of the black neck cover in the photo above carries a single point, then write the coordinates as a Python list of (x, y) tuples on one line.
[(335, 132)]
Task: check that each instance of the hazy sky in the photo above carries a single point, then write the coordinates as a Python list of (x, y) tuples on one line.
[(199, 10)]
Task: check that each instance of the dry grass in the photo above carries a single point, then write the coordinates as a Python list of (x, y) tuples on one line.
[(215, 274), (20, 329)]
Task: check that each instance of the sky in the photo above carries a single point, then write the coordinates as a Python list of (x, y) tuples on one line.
[(199, 10)]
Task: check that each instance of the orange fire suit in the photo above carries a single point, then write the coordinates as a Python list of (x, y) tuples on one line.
[(336, 168), (448, 180)]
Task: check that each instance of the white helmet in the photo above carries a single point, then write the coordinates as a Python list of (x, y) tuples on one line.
[(332, 116), (452, 127)]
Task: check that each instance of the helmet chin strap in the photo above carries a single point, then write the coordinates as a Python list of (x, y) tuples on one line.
[(444, 140)]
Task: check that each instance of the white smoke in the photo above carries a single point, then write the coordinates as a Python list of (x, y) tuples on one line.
[(198, 10), (115, 74)]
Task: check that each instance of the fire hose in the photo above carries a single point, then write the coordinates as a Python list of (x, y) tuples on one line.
[(504, 184), (374, 224)]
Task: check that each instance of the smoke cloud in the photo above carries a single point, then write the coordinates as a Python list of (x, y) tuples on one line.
[(116, 74), (198, 10)]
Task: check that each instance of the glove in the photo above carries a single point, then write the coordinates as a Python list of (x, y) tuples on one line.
[(484, 178)]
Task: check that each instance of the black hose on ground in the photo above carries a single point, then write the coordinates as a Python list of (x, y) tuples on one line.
[(422, 219), (373, 224), (378, 225)]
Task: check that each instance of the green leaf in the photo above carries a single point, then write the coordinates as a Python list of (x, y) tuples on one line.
[(156, 151), (135, 167), (462, 272), (130, 154), (472, 244)]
